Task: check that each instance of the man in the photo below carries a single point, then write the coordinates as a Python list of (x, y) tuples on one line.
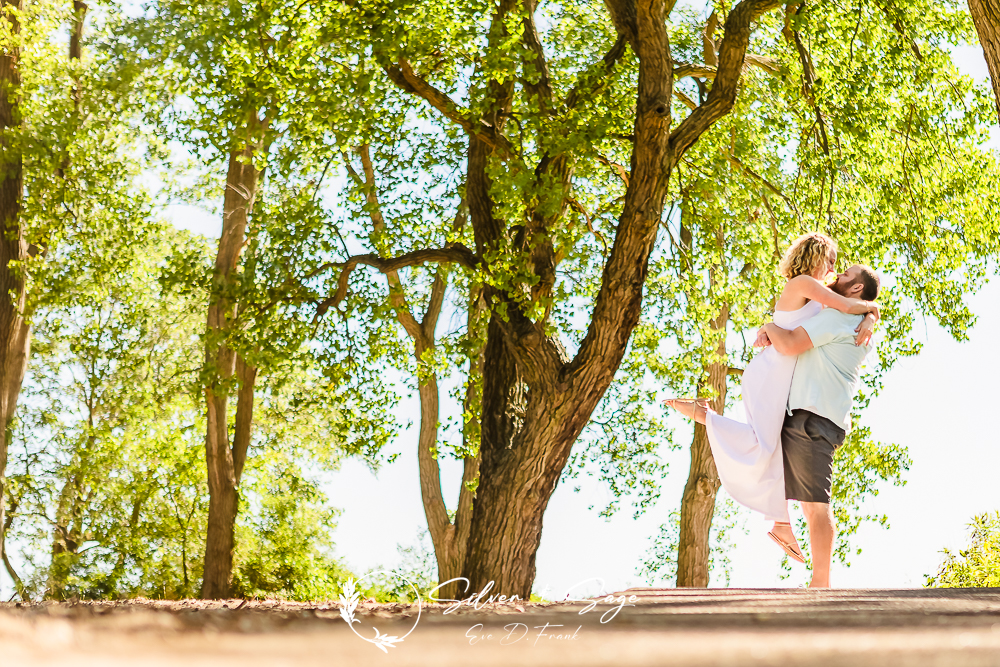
[(826, 378)]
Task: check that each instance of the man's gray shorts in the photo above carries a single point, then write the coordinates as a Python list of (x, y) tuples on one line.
[(807, 445)]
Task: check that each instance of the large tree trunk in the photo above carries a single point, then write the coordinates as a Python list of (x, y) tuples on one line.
[(13, 249), (986, 17), (536, 401), (698, 501), (223, 462)]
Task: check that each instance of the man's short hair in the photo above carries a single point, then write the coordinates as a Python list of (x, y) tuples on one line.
[(869, 281)]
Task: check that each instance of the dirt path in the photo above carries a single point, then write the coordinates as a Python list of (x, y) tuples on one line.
[(950, 627)]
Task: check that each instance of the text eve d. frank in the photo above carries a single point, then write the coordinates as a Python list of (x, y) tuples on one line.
[(515, 632)]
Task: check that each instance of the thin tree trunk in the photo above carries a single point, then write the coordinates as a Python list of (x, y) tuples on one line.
[(449, 538), (986, 17), (13, 248), (698, 501), (11, 572), (76, 33), (220, 362), (65, 540)]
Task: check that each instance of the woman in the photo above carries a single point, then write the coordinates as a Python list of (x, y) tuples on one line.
[(748, 455)]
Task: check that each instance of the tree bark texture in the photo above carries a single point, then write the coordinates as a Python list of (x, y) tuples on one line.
[(13, 250), (449, 537), (536, 401), (986, 17), (225, 462), (698, 501)]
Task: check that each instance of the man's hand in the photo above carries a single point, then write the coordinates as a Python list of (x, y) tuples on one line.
[(762, 339), (865, 330)]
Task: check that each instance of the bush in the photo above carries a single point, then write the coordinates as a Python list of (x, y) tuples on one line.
[(979, 564)]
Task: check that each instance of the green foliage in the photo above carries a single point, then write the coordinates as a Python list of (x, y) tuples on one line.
[(858, 125), (284, 544), (106, 452), (976, 566), (882, 151), (659, 564), (417, 569), (853, 121), (110, 452)]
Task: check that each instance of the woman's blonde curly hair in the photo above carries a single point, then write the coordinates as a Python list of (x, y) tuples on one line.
[(805, 254)]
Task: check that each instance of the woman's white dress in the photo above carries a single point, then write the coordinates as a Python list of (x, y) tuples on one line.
[(748, 455)]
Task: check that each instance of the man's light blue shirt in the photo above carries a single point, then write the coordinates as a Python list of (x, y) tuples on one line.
[(826, 378)]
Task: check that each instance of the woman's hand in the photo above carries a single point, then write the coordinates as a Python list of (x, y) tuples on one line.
[(873, 310), (762, 339), (866, 329)]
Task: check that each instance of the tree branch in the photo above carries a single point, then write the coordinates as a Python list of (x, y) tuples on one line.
[(709, 53), (769, 65), (608, 63), (402, 75), (590, 225), (623, 16), (695, 70), (897, 25), (808, 79), (247, 377), (453, 254), (18, 584), (722, 97), (618, 168), (397, 298), (687, 101), (542, 88), (438, 288)]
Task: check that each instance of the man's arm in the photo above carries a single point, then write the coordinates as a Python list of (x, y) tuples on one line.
[(790, 343)]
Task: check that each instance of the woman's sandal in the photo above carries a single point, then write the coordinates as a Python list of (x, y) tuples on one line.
[(790, 549)]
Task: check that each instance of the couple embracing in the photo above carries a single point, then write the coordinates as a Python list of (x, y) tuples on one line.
[(797, 395)]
